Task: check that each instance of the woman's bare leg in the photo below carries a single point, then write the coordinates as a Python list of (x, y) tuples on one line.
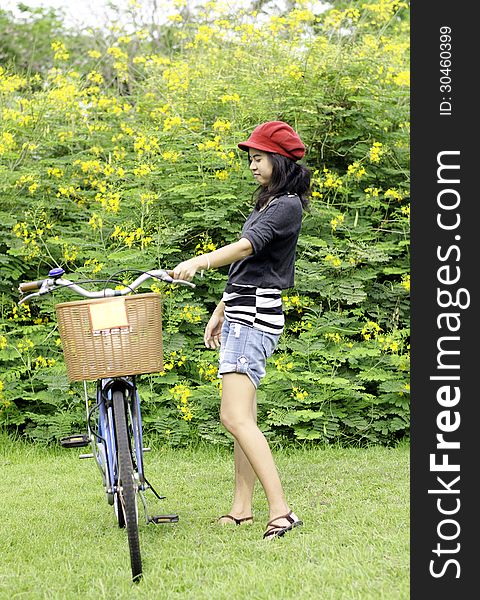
[(244, 478), (238, 393)]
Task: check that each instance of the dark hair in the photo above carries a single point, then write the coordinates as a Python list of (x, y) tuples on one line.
[(288, 177)]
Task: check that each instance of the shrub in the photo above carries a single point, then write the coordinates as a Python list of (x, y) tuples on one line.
[(126, 158)]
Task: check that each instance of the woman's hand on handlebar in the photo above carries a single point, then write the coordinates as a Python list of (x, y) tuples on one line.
[(186, 270)]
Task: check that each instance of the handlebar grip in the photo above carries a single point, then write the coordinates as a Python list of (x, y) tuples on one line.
[(30, 285)]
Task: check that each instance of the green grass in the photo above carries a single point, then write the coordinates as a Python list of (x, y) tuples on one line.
[(59, 538)]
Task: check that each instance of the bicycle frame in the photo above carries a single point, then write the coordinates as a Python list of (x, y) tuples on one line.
[(102, 437), (103, 441)]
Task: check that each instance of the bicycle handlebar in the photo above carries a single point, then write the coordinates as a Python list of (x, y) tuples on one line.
[(48, 285), (30, 285)]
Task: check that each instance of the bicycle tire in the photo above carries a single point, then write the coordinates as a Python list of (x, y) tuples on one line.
[(126, 484)]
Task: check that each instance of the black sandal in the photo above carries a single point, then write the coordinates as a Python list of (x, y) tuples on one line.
[(236, 521), (279, 530)]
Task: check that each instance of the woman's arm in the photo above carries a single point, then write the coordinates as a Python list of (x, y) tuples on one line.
[(214, 327), (225, 255)]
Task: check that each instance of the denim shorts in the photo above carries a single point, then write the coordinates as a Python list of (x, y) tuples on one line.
[(245, 350)]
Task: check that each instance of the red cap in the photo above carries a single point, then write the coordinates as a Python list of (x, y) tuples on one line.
[(278, 137)]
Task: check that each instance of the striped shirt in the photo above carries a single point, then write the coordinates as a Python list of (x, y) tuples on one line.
[(255, 307)]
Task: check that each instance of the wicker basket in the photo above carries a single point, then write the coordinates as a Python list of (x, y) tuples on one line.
[(111, 337)]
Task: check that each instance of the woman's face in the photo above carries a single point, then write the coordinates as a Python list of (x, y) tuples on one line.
[(261, 166)]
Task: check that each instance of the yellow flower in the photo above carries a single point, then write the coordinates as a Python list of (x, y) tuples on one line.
[(41, 361), (25, 345), (117, 53), (89, 166), (191, 314), (214, 144), (330, 181), (299, 394), (235, 98), (171, 155), (372, 192), (108, 170), (204, 34), (209, 373), (147, 198), (95, 77), (7, 143), (177, 78), (376, 152), (119, 153), (171, 122), (60, 52), (389, 343), (333, 337), (181, 394), (205, 245), (55, 172), (131, 238), (394, 194), (282, 364), (295, 72), (143, 144), (222, 125), (356, 170), (70, 252), (405, 282), (338, 220), (369, 329), (95, 221), (142, 170), (332, 260), (126, 129), (402, 78), (11, 83), (110, 201), (96, 266), (295, 302)]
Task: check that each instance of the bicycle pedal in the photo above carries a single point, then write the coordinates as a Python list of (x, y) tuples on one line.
[(157, 519), (75, 441)]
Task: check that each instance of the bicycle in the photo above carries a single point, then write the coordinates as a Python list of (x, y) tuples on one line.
[(112, 337)]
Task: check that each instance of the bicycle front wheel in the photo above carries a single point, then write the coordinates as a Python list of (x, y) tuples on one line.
[(127, 488)]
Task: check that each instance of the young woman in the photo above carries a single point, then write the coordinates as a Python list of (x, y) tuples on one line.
[(248, 321)]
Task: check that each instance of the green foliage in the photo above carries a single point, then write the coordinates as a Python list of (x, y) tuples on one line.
[(25, 42), (123, 154)]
